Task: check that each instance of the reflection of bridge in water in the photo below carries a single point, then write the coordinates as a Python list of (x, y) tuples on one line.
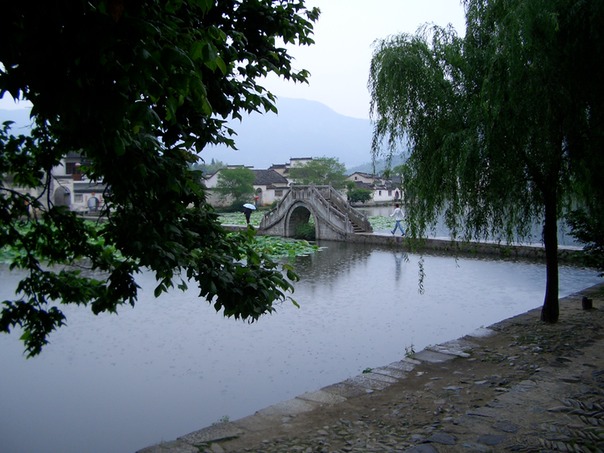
[(333, 216)]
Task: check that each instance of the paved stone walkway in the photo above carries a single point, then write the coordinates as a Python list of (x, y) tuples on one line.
[(520, 385)]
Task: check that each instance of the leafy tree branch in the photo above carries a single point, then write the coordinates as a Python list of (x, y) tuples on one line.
[(139, 89)]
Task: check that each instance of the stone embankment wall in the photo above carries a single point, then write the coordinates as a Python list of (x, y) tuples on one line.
[(529, 251), (566, 254)]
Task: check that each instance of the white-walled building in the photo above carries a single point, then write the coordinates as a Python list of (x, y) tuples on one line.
[(269, 187), (383, 190), (283, 169), (70, 186)]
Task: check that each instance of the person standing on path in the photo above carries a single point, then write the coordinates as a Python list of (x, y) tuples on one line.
[(247, 212), (398, 218)]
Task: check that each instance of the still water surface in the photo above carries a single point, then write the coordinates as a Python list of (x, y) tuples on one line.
[(440, 230), (172, 365)]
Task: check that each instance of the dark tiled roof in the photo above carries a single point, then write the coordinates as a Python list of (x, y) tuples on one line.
[(364, 175), (268, 177), (363, 185)]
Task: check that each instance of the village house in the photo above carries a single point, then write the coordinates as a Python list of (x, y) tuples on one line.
[(272, 184), (72, 188), (283, 169), (383, 190), (269, 187)]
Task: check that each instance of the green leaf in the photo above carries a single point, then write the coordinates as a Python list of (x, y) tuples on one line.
[(129, 91)]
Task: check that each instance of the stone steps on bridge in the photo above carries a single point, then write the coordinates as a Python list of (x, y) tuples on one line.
[(356, 228)]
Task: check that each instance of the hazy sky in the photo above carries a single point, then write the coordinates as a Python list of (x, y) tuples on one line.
[(339, 60)]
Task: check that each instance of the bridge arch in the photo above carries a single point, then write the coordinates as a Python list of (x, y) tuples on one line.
[(299, 214), (334, 218)]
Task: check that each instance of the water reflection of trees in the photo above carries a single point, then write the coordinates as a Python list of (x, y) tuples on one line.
[(339, 258), (336, 258)]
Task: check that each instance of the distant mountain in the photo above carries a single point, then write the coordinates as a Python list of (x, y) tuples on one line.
[(302, 128), (380, 166)]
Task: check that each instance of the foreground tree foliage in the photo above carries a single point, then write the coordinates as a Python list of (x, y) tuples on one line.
[(504, 125), (138, 88)]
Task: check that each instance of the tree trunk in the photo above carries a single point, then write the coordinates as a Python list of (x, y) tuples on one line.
[(551, 309)]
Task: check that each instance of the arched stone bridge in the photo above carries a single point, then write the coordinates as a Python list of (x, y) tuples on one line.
[(333, 216)]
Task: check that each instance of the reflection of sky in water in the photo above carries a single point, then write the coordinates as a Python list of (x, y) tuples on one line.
[(171, 366), (440, 230)]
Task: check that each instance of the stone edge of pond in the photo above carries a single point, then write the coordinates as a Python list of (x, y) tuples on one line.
[(566, 254), (370, 381)]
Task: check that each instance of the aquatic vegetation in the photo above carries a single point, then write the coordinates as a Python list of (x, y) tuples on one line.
[(277, 247), (237, 218), (13, 253), (380, 222)]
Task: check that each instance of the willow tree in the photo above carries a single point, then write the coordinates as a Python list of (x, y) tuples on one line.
[(139, 89), (504, 125)]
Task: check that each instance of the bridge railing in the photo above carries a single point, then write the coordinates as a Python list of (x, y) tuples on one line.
[(328, 203), (342, 204), (325, 196), (319, 196), (273, 216)]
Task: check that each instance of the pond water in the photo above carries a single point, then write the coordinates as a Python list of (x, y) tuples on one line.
[(385, 224), (172, 365)]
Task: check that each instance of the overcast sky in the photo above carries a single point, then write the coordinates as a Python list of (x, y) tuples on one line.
[(339, 60)]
